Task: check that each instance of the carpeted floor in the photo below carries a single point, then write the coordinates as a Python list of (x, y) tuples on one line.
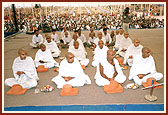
[(88, 94)]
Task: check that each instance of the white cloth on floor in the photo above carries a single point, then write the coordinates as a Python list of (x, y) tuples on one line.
[(99, 54), (52, 46), (79, 54), (73, 70), (45, 56), (108, 70), (29, 78), (132, 51), (143, 66)]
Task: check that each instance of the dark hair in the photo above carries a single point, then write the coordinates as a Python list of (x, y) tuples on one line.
[(104, 29), (126, 11)]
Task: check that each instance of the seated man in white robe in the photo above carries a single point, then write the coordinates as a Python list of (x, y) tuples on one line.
[(44, 57), (82, 37), (55, 37), (99, 37), (66, 40), (143, 68), (124, 44), (109, 69), (75, 38), (106, 35), (71, 72), (52, 46), (91, 40), (119, 37), (36, 40), (63, 32), (79, 53), (134, 49), (24, 71), (100, 53)]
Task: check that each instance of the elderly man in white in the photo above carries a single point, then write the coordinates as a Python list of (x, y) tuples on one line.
[(24, 71), (52, 46), (143, 68), (100, 53), (79, 53), (109, 69), (124, 44), (44, 57), (134, 49), (71, 72)]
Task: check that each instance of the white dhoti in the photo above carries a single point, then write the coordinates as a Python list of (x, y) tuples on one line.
[(99, 54), (75, 71), (108, 70), (95, 63), (29, 83), (143, 66), (84, 62), (34, 45), (29, 78), (156, 75), (76, 82), (100, 81), (52, 46), (45, 56)]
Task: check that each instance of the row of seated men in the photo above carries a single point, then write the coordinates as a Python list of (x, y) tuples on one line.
[(70, 69)]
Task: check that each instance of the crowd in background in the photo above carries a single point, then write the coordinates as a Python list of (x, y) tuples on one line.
[(74, 19)]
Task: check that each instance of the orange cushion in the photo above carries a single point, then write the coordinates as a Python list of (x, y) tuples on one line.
[(149, 82), (114, 87), (41, 68), (67, 90), (16, 90)]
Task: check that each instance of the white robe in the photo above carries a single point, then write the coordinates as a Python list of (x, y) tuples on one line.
[(107, 37), (108, 70), (67, 39), (79, 54), (124, 44), (52, 46), (45, 56), (82, 38), (99, 54), (55, 38), (36, 39), (80, 44), (143, 66), (118, 39), (132, 51), (73, 70), (97, 40), (91, 40), (29, 78)]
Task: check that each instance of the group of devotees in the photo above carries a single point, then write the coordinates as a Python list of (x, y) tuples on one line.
[(105, 48)]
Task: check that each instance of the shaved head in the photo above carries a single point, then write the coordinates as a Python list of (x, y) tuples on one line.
[(69, 57), (22, 50)]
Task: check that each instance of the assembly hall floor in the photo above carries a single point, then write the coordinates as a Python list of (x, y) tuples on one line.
[(88, 94)]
